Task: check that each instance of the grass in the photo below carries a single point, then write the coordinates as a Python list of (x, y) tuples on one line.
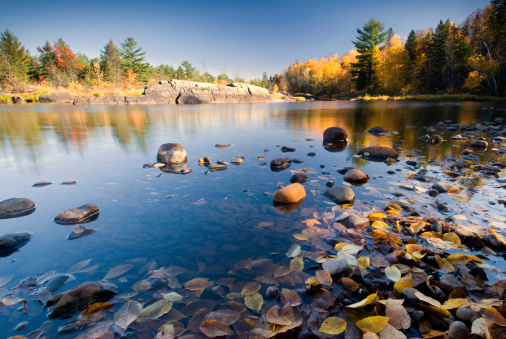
[(431, 97)]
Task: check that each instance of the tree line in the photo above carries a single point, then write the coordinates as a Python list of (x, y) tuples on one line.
[(469, 58), (57, 65)]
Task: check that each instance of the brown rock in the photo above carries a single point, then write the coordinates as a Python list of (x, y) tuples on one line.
[(356, 176), (379, 153), (290, 194), (77, 214), (171, 153), (16, 207), (335, 134)]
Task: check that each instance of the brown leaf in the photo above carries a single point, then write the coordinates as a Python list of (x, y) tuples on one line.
[(349, 284), (290, 297), (215, 328), (399, 317), (254, 302), (93, 308), (155, 310), (324, 277), (250, 288), (118, 270), (493, 315), (279, 316), (79, 266)]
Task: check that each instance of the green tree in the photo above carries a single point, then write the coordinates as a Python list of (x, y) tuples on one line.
[(110, 63), (14, 59), (366, 44), (188, 69), (133, 58)]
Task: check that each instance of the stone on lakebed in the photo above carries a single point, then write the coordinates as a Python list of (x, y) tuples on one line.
[(290, 194), (335, 134), (171, 153), (16, 207), (77, 214), (341, 195)]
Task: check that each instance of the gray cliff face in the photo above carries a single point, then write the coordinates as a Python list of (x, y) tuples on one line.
[(175, 92)]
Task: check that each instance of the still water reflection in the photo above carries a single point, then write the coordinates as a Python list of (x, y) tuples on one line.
[(202, 219)]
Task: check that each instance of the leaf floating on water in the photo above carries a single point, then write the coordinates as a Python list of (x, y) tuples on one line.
[(442, 244), (254, 302), (89, 270), (11, 300), (427, 299), (399, 317), (374, 324), (324, 277), (290, 297), (297, 264), (155, 310), (197, 284), (333, 325), (381, 224), (389, 332), (118, 270), (279, 316), (393, 273), (265, 224), (311, 222), (250, 288), (281, 271), (127, 314), (79, 266), (300, 237), (5, 280), (293, 251), (172, 296), (94, 308), (364, 302), (364, 262), (214, 328), (453, 237), (376, 216)]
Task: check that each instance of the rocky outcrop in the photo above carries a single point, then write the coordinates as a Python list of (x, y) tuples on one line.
[(60, 98)]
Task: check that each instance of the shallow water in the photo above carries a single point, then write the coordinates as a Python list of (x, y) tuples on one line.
[(200, 220)]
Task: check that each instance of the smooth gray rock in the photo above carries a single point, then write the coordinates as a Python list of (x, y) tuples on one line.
[(77, 214), (493, 241), (378, 153), (336, 267), (171, 153), (450, 282), (442, 187), (271, 292), (354, 221), (479, 144), (458, 330), (356, 176), (16, 207), (280, 164), (9, 243), (79, 297), (298, 177), (437, 227), (377, 130), (341, 195), (466, 314)]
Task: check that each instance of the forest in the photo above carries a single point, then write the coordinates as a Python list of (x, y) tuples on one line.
[(466, 58)]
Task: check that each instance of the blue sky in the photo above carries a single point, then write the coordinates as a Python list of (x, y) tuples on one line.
[(243, 38)]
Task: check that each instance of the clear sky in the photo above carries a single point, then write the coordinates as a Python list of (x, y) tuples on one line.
[(240, 37)]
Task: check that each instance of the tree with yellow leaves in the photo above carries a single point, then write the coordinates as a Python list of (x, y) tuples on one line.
[(391, 72)]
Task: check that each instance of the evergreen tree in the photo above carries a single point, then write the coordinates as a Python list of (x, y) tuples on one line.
[(133, 58), (14, 59), (188, 69), (110, 63), (366, 43)]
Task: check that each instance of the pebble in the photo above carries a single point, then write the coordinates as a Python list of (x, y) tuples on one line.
[(466, 314), (70, 182), (44, 183), (21, 326), (287, 149), (492, 240), (437, 227), (336, 266), (271, 292), (311, 154), (450, 283), (458, 330), (417, 316), (222, 145)]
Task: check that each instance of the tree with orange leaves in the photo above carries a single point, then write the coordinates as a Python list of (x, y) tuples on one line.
[(59, 63)]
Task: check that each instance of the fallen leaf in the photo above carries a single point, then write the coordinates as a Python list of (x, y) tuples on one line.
[(364, 262), (254, 302), (481, 327), (493, 315), (401, 284), (300, 237), (280, 316), (290, 297), (451, 304), (411, 248), (311, 222), (250, 288), (393, 273), (79, 266), (374, 324), (376, 216), (215, 328), (118, 270), (297, 264), (265, 224), (450, 236), (364, 302), (399, 317), (94, 308), (390, 332), (333, 325), (427, 299), (11, 300), (155, 310), (324, 277), (462, 259), (127, 314)]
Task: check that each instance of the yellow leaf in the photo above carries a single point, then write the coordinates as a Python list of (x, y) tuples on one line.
[(312, 282), (333, 325), (445, 266), (381, 224), (410, 248), (364, 302), (394, 206), (364, 262), (427, 299), (311, 222), (214, 328), (450, 236), (374, 324), (300, 237), (451, 304), (392, 211), (402, 283), (250, 288), (254, 302), (411, 175), (297, 264), (340, 245), (376, 216), (453, 190)]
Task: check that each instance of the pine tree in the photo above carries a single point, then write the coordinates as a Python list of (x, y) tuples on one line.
[(14, 59), (367, 41), (133, 58), (110, 63)]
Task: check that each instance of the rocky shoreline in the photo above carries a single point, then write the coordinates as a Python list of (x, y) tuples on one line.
[(174, 92)]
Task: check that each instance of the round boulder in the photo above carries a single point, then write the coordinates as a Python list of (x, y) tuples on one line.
[(356, 176), (16, 207), (298, 177), (290, 194), (341, 195), (378, 153), (335, 134), (171, 153), (377, 130)]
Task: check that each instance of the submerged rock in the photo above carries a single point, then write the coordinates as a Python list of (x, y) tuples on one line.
[(335, 146), (287, 149), (354, 221), (77, 214), (479, 144), (9, 243), (217, 167), (280, 164), (378, 153), (221, 145), (80, 231), (237, 161), (356, 176), (377, 130), (174, 168), (436, 140), (171, 153), (335, 134), (336, 267), (290, 194), (341, 195), (16, 207), (79, 297)]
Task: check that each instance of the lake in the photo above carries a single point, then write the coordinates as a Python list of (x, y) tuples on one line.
[(206, 222)]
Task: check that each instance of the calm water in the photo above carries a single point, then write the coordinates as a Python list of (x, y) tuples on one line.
[(212, 219)]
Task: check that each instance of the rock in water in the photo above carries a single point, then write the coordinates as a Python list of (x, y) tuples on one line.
[(377, 130), (356, 176), (334, 146), (9, 243), (221, 145), (290, 194), (237, 161), (16, 207), (280, 164), (335, 134), (42, 183), (378, 153), (354, 221), (79, 297), (341, 195), (171, 153), (80, 231), (287, 149), (336, 266), (479, 144), (458, 330), (77, 214), (298, 177), (442, 187), (436, 140)]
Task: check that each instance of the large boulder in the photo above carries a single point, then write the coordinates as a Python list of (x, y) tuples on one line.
[(289, 194), (341, 195), (335, 134), (9, 243), (356, 176), (77, 214), (80, 297), (16, 207), (171, 153), (378, 153)]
